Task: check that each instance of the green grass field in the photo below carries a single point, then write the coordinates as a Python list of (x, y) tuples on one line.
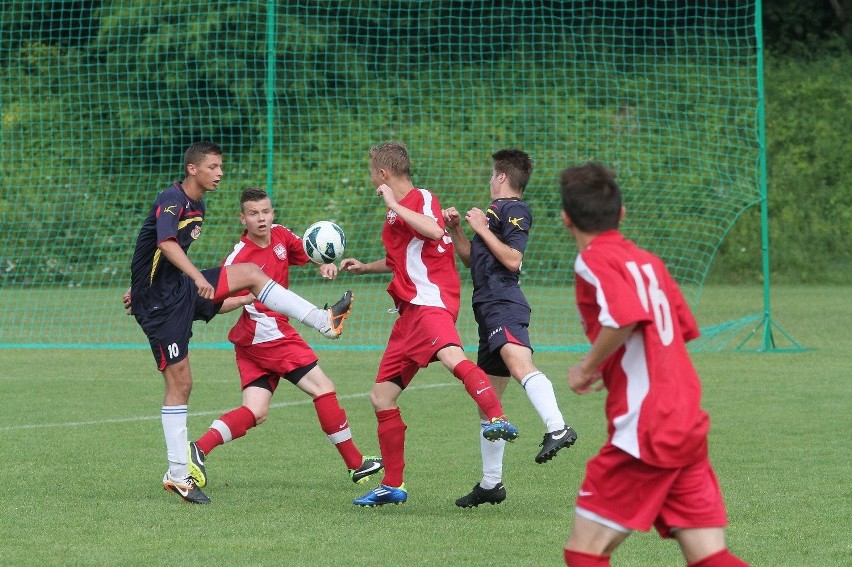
[(83, 456)]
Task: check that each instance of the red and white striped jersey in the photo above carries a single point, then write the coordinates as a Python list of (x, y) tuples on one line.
[(653, 404), (257, 323), (424, 270)]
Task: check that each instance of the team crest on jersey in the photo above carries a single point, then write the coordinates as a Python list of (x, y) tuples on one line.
[(196, 232), (280, 251), (391, 217)]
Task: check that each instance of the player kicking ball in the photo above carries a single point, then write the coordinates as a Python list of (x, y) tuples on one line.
[(168, 292), (267, 348)]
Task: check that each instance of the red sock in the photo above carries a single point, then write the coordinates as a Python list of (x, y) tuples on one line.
[(479, 388), (229, 426), (723, 558), (392, 445), (580, 559), (334, 424)]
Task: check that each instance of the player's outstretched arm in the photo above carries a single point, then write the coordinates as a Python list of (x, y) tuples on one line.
[(354, 266)]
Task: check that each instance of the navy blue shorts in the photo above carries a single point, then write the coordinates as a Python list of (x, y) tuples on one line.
[(499, 324), (169, 330)]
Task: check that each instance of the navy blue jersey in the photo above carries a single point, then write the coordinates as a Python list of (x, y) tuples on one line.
[(510, 220), (155, 282)]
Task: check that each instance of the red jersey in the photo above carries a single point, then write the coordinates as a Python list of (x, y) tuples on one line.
[(257, 323), (424, 270), (653, 404)]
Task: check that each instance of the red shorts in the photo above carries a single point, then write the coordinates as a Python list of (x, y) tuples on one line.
[(417, 336), (624, 490), (273, 359)]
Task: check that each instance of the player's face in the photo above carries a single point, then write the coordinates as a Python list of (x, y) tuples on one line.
[(208, 172), (494, 184), (257, 216), (375, 175)]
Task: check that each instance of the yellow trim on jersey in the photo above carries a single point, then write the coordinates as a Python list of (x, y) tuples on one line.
[(156, 261), (154, 265), (183, 223)]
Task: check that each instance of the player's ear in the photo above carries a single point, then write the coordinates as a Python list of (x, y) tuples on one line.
[(621, 214), (566, 220)]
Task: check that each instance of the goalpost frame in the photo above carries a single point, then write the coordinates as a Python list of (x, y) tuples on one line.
[(765, 324)]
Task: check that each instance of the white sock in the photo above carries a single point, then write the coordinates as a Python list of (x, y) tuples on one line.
[(492, 459), (539, 390), (280, 299), (174, 429)]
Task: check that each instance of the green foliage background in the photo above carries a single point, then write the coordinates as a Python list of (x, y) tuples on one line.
[(91, 174)]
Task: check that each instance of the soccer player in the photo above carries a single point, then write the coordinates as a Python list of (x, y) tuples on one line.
[(502, 313), (268, 347), (654, 467), (167, 293), (425, 288)]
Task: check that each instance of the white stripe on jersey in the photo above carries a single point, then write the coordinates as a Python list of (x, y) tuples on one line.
[(635, 366), (237, 248), (582, 270), (427, 292), (427, 204), (266, 328)]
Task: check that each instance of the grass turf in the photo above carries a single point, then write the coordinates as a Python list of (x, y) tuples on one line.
[(83, 456)]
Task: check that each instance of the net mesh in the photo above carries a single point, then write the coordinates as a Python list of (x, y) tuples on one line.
[(100, 99)]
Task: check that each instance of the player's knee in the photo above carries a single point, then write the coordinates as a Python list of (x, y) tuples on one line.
[(260, 415)]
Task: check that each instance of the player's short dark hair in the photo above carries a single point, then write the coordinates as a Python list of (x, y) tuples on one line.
[(392, 156), (516, 164), (196, 152), (591, 197), (252, 194)]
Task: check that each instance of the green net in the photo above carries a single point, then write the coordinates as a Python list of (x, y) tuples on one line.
[(100, 99)]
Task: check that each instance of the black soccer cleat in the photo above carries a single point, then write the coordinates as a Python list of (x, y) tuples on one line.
[(481, 495), (554, 441), (185, 488), (369, 467), (337, 314)]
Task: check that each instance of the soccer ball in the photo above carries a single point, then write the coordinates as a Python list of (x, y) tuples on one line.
[(324, 242)]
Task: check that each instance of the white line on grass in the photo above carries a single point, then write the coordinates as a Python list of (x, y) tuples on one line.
[(195, 413)]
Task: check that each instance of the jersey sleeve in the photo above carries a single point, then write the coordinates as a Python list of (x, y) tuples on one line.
[(617, 294), (170, 205), (517, 221), (235, 258), (296, 254)]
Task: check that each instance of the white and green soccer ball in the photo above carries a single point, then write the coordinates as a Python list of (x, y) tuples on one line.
[(324, 242)]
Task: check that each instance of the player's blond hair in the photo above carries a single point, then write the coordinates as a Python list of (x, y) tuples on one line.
[(392, 156)]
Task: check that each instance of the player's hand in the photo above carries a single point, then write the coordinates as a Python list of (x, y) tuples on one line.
[(352, 265), (126, 299), (452, 218), (386, 193), (205, 290), (581, 381), (328, 271), (477, 220)]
